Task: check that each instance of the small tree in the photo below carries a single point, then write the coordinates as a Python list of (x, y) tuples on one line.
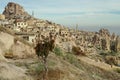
[(42, 49)]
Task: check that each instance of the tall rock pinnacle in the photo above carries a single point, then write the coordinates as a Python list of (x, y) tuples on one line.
[(14, 10)]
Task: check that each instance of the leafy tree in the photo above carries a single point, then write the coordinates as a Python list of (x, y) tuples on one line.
[(42, 50)]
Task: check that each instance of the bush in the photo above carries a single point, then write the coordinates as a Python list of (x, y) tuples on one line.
[(9, 53), (117, 70), (39, 68), (104, 53), (58, 51), (111, 60), (113, 53), (73, 60), (77, 51)]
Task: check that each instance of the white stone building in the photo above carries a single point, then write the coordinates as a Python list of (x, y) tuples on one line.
[(20, 24)]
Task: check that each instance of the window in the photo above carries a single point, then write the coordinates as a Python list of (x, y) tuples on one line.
[(18, 23), (21, 23), (26, 38)]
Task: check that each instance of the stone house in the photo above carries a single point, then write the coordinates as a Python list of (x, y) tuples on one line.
[(4, 22), (20, 24), (29, 28), (64, 32), (39, 24), (27, 36), (50, 28), (36, 30), (57, 29)]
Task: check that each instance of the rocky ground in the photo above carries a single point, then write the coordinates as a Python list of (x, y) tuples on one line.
[(18, 62), (66, 67)]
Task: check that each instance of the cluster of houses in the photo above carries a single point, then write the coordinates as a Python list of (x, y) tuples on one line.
[(29, 30), (32, 28)]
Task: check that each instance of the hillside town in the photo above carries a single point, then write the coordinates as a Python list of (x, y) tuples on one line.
[(82, 54), (27, 27)]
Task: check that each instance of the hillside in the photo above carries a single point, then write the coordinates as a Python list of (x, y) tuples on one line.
[(60, 68), (77, 55), (66, 67)]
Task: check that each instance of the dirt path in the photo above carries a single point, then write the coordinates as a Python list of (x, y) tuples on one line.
[(97, 63)]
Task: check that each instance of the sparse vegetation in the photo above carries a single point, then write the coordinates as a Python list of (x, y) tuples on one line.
[(110, 57), (117, 70), (39, 68), (104, 53), (90, 46), (58, 51), (71, 58)]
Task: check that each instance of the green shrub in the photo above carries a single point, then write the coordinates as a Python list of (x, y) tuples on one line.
[(117, 70), (90, 46), (70, 58), (73, 60), (111, 60), (113, 53), (58, 51), (39, 68), (103, 53)]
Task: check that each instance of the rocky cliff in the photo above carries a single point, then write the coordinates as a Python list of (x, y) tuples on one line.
[(14, 10), (12, 47)]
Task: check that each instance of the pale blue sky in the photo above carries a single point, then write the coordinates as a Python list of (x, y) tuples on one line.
[(88, 13)]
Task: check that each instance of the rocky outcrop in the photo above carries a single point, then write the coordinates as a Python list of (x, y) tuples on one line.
[(104, 32), (14, 10), (96, 39), (12, 72), (113, 36), (20, 50), (118, 44), (10, 49), (2, 58)]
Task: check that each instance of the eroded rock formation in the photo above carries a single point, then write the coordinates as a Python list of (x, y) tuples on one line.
[(14, 10)]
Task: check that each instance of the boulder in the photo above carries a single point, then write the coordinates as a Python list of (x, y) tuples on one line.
[(118, 44), (12, 72), (20, 50)]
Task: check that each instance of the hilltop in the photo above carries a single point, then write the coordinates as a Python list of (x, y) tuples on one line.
[(14, 10)]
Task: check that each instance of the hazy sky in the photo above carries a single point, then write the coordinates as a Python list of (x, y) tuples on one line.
[(92, 13)]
